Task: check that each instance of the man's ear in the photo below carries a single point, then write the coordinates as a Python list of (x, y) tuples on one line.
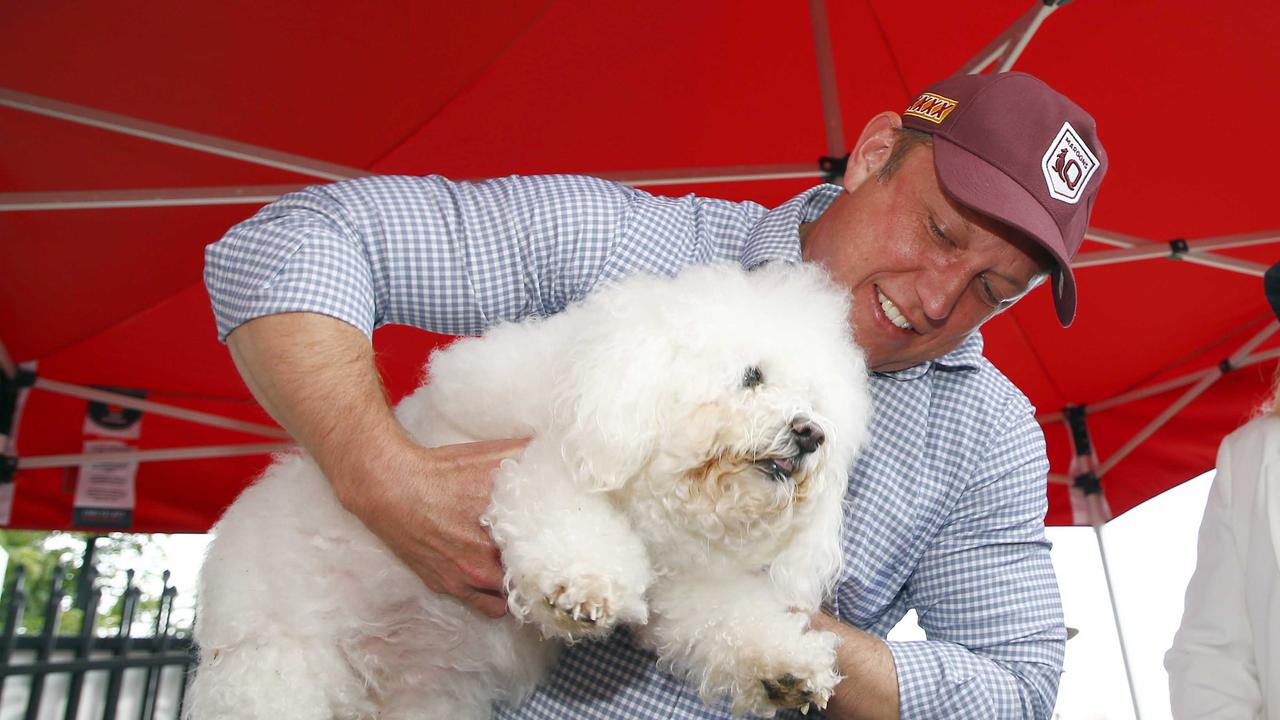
[(872, 149)]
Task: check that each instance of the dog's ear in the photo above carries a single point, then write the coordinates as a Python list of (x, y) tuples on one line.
[(608, 408)]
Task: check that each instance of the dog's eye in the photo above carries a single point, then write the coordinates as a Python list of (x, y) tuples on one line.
[(752, 377)]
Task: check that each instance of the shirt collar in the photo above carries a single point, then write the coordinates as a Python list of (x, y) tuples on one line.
[(967, 357), (776, 235)]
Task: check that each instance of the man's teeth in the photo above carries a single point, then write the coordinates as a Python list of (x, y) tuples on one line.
[(892, 312)]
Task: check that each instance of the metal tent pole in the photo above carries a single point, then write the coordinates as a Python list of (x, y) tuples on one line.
[(142, 198), (832, 119), (730, 173), (1192, 251), (1192, 393), (1161, 388), (35, 462), (1086, 485), (1115, 611), (133, 403), (1008, 45), (258, 194), (176, 136)]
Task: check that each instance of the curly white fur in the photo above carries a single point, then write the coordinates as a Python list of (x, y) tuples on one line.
[(667, 486)]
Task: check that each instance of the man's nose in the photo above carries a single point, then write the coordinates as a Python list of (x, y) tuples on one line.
[(940, 291)]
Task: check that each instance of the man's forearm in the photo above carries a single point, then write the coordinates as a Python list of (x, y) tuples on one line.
[(315, 375), (869, 690)]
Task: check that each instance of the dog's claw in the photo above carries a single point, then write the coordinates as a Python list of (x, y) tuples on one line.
[(790, 691), (577, 612)]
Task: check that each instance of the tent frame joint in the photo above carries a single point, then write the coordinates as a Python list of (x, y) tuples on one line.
[(1089, 483), (10, 387), (22, 378), (1075, 417), (1177, 248), (833, 167)]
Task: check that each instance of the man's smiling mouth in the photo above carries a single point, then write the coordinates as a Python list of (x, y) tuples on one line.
[(892, 312)]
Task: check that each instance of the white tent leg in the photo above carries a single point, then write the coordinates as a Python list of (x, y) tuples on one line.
[(1115, 612), (176, 136)]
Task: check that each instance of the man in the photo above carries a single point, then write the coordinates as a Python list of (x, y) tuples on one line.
[(934, 229)]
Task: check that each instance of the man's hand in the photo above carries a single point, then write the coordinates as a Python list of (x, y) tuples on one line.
[(425, 505), (315, 375)]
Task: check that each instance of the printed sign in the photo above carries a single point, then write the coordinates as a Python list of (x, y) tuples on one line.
[(105, 491)]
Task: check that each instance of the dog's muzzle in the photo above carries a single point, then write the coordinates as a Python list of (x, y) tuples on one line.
[(807, 436)]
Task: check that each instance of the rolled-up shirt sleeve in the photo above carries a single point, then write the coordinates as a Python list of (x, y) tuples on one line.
[(986, 595), (423, 251)]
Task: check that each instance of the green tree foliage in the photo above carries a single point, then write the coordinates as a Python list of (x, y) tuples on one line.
[(39, 553)]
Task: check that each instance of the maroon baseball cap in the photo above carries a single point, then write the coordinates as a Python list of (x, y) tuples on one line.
[(1015, 149)]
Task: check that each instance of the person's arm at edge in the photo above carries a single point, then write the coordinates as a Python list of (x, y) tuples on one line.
[(1210, 665), (316, 376)]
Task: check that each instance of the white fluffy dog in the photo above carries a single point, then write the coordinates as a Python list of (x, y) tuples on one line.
[(691, 445)]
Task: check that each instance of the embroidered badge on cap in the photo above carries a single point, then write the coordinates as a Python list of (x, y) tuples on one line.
[(931, 107), (1068, 164)]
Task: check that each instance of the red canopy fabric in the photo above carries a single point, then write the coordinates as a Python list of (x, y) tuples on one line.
[(1183, 93)]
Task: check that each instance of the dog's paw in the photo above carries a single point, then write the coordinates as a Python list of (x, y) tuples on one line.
[(790, 691), (584, 606), (802, 679)]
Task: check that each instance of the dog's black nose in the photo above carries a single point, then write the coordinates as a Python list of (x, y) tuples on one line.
[(808, 435)]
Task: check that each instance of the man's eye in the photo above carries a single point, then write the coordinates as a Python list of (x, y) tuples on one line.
[(988, 294), (938, 233)]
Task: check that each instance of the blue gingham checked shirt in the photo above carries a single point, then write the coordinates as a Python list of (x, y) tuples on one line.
[(947, 501)]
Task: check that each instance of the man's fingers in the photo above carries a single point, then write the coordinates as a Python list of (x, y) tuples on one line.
[(483, 451), (488, 577), (494, 606)]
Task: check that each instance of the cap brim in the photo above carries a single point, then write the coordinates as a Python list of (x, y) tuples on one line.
[(1271, 285), (981, 186)]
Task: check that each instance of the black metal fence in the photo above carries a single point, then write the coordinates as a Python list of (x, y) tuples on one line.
[(84, 675)]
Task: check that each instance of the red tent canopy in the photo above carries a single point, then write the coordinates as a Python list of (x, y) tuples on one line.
[(135, 135)]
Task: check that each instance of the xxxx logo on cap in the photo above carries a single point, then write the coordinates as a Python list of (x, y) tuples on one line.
[(1068, 164), (931, 107)]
